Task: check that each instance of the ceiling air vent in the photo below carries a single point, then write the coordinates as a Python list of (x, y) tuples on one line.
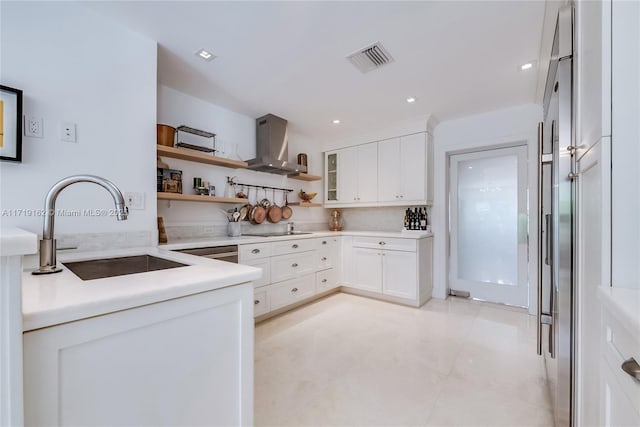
[(370, 57)]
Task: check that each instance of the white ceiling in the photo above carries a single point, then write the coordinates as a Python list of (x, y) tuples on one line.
[(288, 58)]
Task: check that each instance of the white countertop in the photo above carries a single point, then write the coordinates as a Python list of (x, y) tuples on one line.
[(14, 241), (623, 303), (178, 244), (63, 297)]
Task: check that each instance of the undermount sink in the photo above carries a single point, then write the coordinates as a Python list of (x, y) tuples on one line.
[(111, 267)]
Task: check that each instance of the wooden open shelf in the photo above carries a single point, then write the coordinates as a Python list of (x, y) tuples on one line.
[(306, 205), (198, 198), (194, 156), (305, 177)]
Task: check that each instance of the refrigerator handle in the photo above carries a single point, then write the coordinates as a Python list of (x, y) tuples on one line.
[(547, 223), (540, 197)]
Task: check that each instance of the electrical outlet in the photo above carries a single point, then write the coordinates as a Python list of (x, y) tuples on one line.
[(208, 230), (68, 132), (134, 200), (33, 126)]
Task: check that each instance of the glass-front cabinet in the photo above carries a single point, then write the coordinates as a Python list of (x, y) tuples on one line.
[(331, 177)]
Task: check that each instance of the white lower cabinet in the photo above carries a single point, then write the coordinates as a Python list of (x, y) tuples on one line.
[(368, 269), (399, 274), (619, 391), (143, 366), (326, 280), (285, 267), (260, 302), (291, 291), (399, 269), (293, 270), (265, 265)]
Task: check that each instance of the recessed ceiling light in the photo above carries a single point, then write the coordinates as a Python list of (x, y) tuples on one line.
[(206, 55), (526, 66), (411, 100), (336, 122)]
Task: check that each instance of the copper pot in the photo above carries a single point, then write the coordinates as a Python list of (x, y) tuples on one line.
[(274, 213), (165, 135), (286, 209)]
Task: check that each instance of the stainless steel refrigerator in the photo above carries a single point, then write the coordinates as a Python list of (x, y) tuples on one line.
[(556, 292)]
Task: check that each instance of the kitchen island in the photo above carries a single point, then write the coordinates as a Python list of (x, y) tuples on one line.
[(167, 347)]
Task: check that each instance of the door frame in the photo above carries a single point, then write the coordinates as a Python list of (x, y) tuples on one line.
[(440, 211), (520, 151)]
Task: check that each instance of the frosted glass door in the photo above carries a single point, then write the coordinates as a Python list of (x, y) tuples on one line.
[(489, 224)]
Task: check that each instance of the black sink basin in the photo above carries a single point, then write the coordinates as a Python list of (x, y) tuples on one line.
[(111, 267)]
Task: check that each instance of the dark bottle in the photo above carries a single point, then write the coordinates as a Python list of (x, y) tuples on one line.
[(423, 218)]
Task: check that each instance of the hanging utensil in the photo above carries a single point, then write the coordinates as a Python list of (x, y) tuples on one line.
[(286, 209), (274, 213)]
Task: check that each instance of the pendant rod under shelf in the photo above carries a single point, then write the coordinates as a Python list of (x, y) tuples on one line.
[(264, 187)]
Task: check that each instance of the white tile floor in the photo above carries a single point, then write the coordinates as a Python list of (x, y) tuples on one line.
[(347, 360)]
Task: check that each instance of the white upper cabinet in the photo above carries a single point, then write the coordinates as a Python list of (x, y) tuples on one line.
[(391, 172), (351, 175), (402, 170)]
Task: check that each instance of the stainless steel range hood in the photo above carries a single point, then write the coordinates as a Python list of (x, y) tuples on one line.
[(272, 147)]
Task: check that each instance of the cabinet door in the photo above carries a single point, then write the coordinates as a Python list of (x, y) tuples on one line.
[(348, 175), (413, 168), (331, 177), (616, 407), (141, 366), (368, 269), (367, 156), (400, 278), (389, 170)]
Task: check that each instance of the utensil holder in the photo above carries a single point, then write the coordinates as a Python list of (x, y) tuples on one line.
[(233, 229)]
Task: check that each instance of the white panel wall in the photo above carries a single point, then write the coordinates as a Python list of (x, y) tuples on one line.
[(79, 67), (236, 137), (625, 142), (497, 128)]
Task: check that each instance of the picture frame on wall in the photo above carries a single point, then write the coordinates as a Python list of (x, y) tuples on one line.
[(10, 124)]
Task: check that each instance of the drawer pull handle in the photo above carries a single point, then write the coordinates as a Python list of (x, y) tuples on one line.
[(294, 246), (255, 251), (631, 367), (295, 264), (324, 242), (294, 290), (256, 302), (382, 243), (324, 280), (324, 258)]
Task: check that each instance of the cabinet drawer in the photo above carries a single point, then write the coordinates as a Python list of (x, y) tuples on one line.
[(285, 267), (391, 243), (260, 303), (291, 291), (328, 252), (293, 246), (619, 345), (326, 279), (253, 251), (265, 265)]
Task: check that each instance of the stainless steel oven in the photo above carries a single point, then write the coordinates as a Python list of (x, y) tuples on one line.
[(221, 253)]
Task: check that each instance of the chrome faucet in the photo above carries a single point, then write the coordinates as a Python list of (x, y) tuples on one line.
[(48, 243)]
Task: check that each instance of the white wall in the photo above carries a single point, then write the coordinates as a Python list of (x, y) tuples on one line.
[(503, 127), (76, 66), (236, 136)]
